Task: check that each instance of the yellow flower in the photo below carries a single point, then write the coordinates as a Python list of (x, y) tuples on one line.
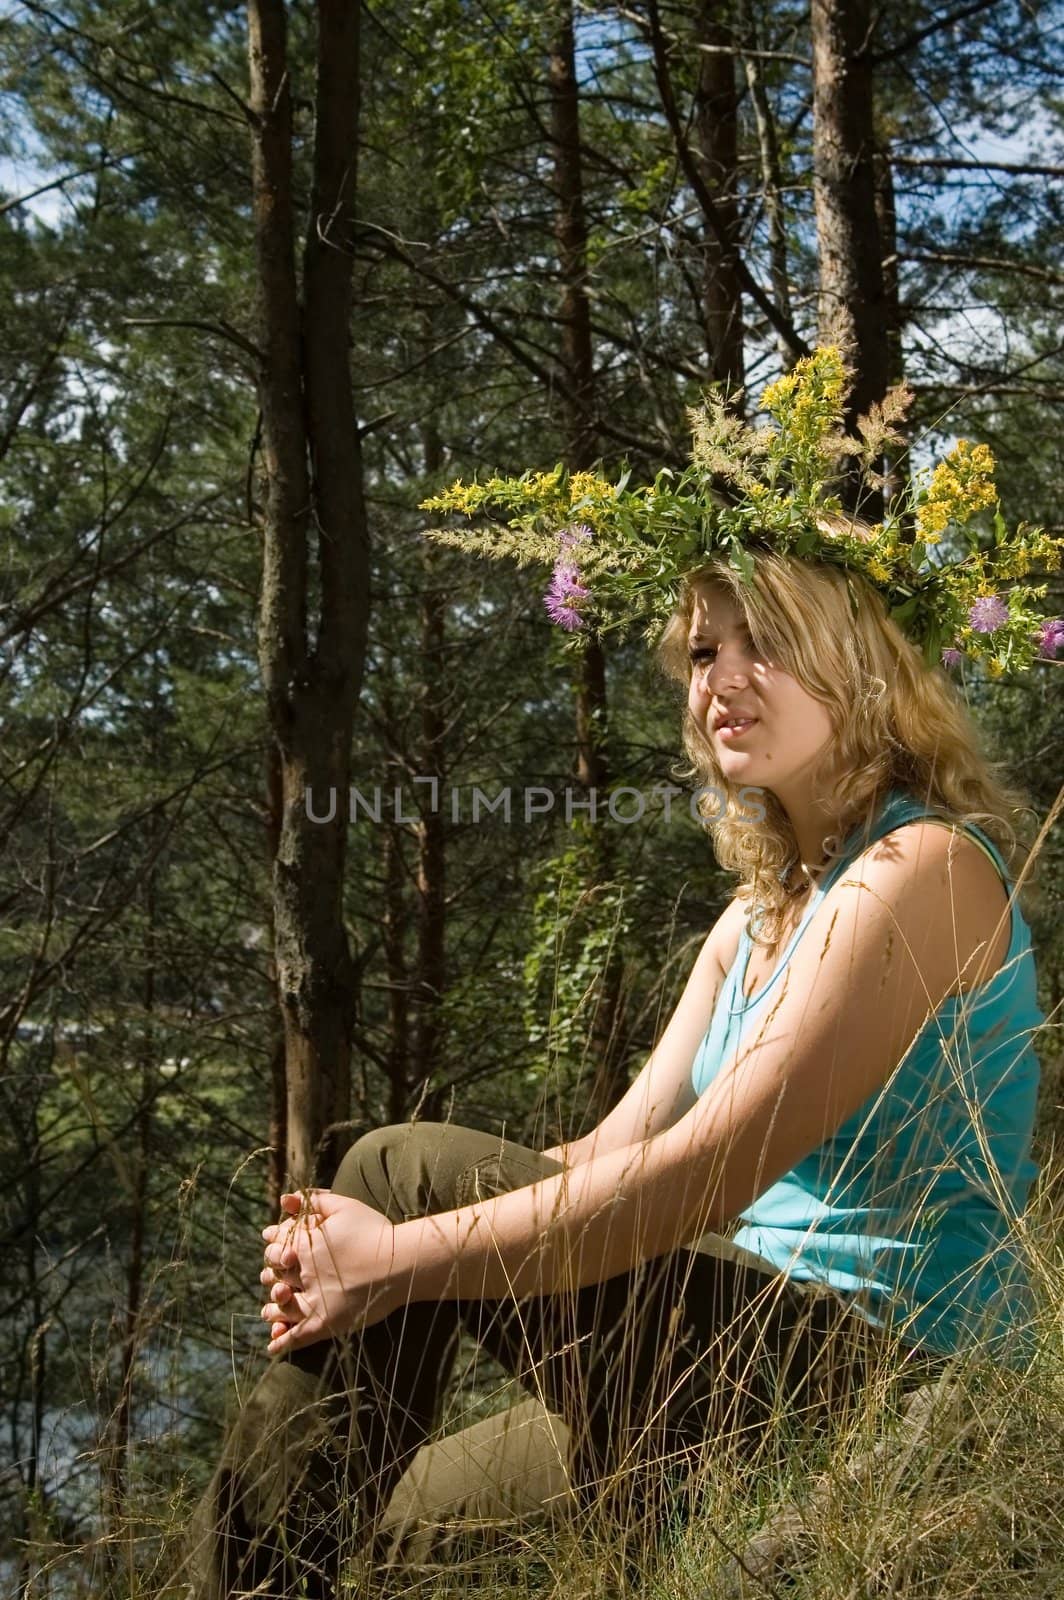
[(961, 486), (540, 484), (995, 666), (588, 484), (779, 391), (463, 497), (878, 572), (807, 400), (1047, 549), (1015, 563), (932, 519)]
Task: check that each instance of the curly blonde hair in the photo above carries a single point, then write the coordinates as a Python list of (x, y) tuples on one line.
[(897, 723)]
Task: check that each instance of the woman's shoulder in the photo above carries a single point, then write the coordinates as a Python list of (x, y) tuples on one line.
[(901, 826), (952, 873), (946, 842)]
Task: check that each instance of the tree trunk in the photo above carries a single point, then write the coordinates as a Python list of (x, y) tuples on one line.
[(570, 232), (887, 225), (771, 180), (887, 220), (32, 1354), (747, 282), (592, 765), (432, 845), (716, 124), (851, 308), (277, 1138), (312, 617), (393, 929), (120, 1545)]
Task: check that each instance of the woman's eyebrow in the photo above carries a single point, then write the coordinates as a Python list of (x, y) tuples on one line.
[(698, 637)]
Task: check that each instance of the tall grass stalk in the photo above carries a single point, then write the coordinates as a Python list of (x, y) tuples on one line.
[(953, 1493)]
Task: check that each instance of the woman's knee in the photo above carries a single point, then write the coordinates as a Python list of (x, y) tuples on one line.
[(405, 1169), (412, 1169)]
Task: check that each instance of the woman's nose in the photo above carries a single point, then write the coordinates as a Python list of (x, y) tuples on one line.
[(728, 669)]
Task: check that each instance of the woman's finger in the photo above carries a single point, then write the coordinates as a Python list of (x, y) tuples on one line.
[(288, 1280), (272, 1312), (281, 1257), (282, 1293), (295, 1337)]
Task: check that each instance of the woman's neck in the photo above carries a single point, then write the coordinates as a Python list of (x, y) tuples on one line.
[(817, 834), (805, 869)]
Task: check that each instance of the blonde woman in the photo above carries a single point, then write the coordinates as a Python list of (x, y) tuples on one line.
[(819, 1162)]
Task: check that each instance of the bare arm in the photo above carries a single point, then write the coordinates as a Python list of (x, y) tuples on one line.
[(884, 948)]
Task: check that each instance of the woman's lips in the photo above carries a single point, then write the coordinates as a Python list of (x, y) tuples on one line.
[(731, 732)]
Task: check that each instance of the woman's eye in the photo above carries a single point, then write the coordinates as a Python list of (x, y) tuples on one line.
[(708, 651)]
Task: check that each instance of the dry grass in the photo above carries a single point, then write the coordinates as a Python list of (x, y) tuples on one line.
[(966, 1508), (959, 1503)]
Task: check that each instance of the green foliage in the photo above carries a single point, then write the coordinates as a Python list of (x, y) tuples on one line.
[(139, 1023), (576, 923)]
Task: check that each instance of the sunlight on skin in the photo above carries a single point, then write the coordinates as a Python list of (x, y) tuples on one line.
[(902, 923), (656, 1194), (791, 730), (885, 928)]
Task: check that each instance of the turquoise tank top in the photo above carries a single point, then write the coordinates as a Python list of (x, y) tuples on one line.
[(907, 1207)]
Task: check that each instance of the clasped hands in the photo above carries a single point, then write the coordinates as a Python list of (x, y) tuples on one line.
[(329, 1269)]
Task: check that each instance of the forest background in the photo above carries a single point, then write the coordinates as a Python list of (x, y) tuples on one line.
[(253, 309)]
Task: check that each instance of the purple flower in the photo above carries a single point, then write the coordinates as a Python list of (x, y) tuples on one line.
[(563, 598), (987, 613), (952, 657), (1050, 637), (576, 533)]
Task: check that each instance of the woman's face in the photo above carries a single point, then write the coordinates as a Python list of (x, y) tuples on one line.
[(785, 729)]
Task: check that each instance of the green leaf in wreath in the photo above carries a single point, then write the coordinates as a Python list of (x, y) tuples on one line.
[(741, 561)]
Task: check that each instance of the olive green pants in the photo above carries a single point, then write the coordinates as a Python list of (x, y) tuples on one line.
[(633, 1383)]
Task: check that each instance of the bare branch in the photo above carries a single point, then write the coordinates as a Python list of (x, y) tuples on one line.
[(66, 177), (1019, 169), (219, 330), (911, 41), (951, 258)]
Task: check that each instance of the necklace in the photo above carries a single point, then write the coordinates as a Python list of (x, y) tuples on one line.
[(791, 885), (807, 875)]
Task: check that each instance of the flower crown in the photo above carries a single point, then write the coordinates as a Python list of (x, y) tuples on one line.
[(621, 553)]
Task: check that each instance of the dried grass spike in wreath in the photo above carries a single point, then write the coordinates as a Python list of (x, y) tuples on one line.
[(953, 575)]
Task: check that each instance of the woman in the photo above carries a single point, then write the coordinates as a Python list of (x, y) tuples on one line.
[(848, 1075)]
